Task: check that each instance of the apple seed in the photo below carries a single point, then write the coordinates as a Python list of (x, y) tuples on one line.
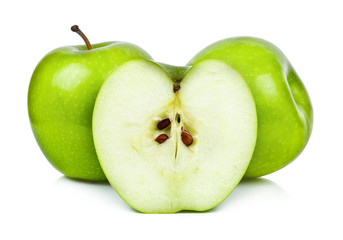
[(186, 137), (163, 123), (161, 138)]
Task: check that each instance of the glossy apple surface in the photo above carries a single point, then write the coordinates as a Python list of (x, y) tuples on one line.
[(61, 98), (283, 105)]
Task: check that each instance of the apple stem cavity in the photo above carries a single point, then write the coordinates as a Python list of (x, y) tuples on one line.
[(176, 88), (76, 29), (161, 138)]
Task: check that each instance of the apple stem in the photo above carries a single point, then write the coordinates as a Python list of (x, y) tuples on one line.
[(76, 29)]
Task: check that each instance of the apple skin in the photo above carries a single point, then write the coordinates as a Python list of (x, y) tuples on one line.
[(61, 98), (284, 109)]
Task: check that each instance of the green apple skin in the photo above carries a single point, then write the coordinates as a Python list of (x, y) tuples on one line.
[(284, 109), (61, 98)]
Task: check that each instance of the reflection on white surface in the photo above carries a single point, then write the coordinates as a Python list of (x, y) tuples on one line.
[(261, 187), (97, 193), (258, 192)]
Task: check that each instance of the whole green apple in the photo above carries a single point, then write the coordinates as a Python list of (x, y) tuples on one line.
[(284, 110), (61, 98)]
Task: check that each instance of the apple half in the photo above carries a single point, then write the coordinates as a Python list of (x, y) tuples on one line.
[(168, 145)]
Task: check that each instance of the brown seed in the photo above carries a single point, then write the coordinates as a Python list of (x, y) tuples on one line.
[(187, 138), (163, 123), (161, 138)]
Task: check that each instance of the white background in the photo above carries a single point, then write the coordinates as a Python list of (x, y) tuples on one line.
[(302, 201)]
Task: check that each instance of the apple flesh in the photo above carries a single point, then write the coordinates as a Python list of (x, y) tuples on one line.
[(284, 109), (193, 160), (61, 98)]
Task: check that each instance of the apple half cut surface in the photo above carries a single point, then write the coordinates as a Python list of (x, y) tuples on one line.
[(167, 146)]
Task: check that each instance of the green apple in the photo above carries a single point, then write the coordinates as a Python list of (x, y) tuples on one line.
[(172, 139), (283, 106), (61, 98)]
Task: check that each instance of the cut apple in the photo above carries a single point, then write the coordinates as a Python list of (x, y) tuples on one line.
[(167, 146)]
